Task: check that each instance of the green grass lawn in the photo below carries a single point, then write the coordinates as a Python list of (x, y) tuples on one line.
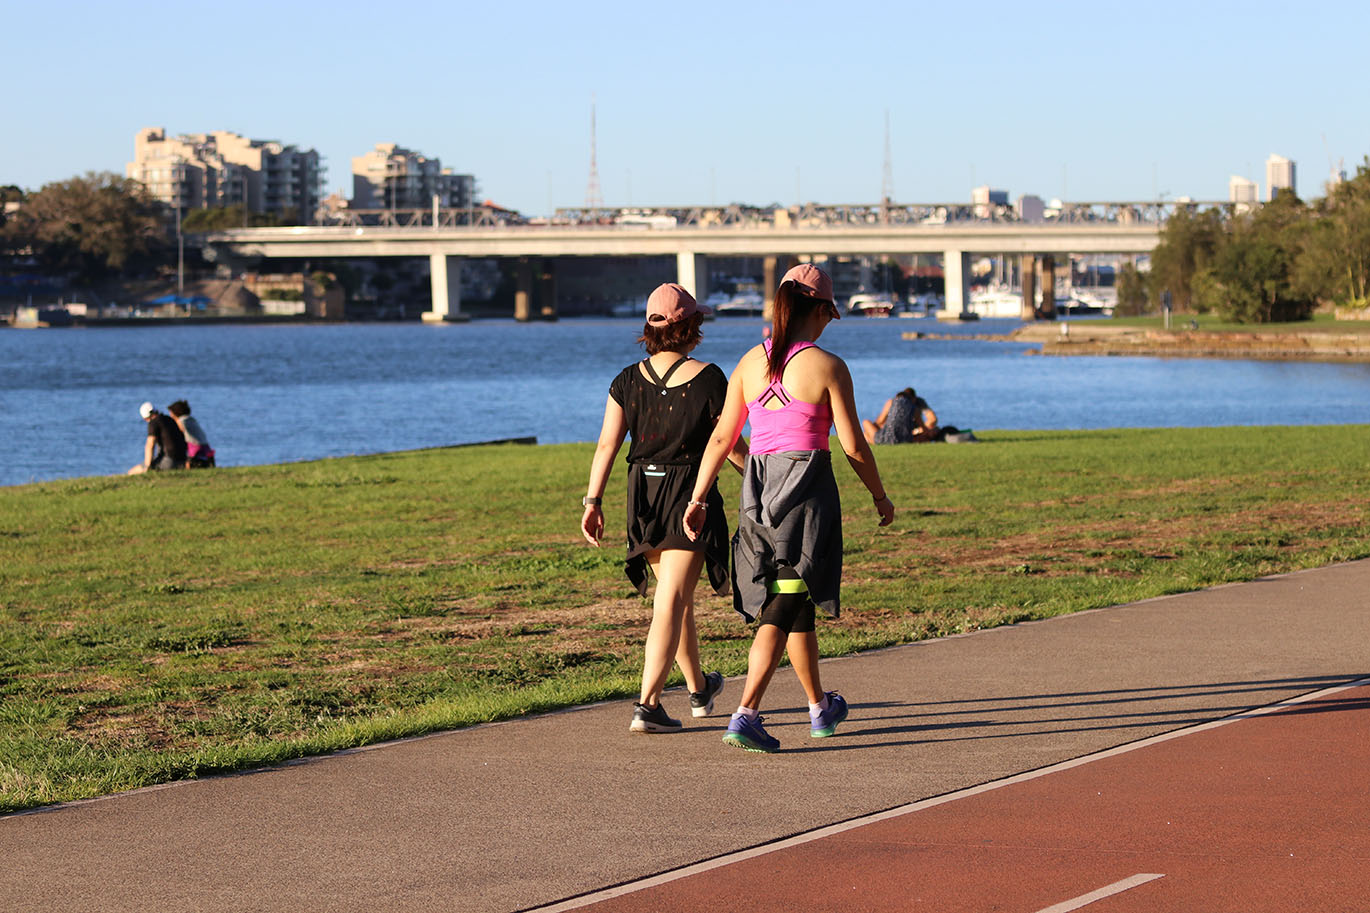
[(172, 625), (1211, 323)]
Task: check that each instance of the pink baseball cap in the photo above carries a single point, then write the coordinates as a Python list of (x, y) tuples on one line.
[(670, 303), (810, 280)]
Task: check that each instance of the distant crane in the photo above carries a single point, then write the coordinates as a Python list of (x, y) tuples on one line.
[(887, 179), (594, 198)]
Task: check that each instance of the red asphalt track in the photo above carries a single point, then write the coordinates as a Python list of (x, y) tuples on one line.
[(1265, 811)]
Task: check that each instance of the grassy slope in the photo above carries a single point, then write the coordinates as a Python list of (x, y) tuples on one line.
[(166, 626)]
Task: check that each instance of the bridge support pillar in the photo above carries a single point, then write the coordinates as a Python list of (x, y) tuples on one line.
[(1029, 279), (445, 279), (692, 273), (772, 269), (547, 290), (956, 282), (1048, 309), (523, 290)]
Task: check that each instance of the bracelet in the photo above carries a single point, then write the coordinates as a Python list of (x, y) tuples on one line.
[(588, 501), (884, 497), (698, 504)]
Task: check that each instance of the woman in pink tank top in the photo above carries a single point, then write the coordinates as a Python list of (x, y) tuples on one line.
[(787, 554)]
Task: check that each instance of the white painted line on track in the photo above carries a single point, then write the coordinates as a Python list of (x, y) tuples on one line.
[(831, 830), (1085, 900)]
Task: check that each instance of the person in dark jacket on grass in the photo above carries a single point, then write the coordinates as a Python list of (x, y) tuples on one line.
[(165, 447)]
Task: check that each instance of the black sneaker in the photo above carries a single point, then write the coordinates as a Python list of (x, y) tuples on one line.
[(702, 702), (652, 719)]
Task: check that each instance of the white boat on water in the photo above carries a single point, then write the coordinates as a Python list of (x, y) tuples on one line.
[(866, 304), (1088, 301), (716, 300), (998, 302), (743, 304)]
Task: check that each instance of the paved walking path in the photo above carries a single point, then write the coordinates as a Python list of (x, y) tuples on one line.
[(516, 815)]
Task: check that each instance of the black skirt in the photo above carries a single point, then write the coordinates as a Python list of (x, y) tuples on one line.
[(657, 497)]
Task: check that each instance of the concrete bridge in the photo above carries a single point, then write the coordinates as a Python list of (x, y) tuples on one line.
[(786, 236)]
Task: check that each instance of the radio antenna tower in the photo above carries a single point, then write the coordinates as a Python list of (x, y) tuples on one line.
[(887, 179), (594, 200)]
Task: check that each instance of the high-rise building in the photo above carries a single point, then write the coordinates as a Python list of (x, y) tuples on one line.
[(202, 170), (1279, 175), (1241, 190), (392, 177)]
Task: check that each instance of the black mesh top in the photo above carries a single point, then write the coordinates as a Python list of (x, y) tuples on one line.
[(669, 425)]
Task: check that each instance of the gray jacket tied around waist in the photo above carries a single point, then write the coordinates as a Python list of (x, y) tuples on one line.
[(791, 514)]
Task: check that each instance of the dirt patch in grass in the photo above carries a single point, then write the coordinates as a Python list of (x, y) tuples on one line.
[(1067, 549)]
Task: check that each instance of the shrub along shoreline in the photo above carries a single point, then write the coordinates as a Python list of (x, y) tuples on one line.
[(175, 625)]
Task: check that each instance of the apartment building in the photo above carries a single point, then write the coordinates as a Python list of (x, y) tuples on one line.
[(1279, 175), (392, 177), (203, 170), (1240, 190)]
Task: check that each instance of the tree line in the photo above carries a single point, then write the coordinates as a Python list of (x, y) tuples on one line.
[(101, 226), (1276, 262)]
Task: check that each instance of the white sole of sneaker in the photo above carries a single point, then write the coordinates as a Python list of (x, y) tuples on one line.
[(651, 728)]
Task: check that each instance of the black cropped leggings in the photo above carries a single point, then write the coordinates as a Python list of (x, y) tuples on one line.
[(788, 607)]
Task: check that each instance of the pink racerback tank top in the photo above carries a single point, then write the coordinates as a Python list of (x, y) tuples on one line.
[(796, 425)]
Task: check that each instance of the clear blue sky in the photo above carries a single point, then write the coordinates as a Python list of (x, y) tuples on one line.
[(710, 101)]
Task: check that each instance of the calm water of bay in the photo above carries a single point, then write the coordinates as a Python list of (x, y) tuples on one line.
[(69, 398)]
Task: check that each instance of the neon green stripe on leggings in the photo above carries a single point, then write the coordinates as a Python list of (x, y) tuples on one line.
[(787, 586)]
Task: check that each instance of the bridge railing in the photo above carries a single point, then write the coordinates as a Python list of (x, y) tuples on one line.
[(743, 216)]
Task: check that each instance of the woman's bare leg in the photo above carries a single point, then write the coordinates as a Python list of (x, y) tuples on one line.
[(803, 650), (767, 647), (677, 572)]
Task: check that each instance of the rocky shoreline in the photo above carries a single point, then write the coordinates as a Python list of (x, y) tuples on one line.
[(1302, 345), (1081, 338)]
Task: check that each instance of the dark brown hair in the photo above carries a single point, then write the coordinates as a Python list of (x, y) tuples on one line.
[(672, 337), (180, 407), (792, 307)]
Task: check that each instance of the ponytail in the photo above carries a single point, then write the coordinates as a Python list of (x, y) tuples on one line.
[(791, 308)]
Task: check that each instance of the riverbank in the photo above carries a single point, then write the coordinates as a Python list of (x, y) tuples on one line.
[(1329, 341), (171, 625)]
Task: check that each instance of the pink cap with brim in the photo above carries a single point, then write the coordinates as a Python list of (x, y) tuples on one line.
[(810, 280), (670, 303)]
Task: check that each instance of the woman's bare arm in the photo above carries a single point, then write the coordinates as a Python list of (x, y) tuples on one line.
[(611, 435), (844, 418)]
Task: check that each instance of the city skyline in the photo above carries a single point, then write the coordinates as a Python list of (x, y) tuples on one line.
[(716, 104)]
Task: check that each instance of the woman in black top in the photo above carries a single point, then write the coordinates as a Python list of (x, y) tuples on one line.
[(669, 402)]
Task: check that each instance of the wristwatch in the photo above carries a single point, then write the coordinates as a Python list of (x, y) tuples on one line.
[(588, 501)]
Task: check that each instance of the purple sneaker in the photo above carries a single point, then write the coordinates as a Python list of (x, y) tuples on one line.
[(749, 735), (824, 723)]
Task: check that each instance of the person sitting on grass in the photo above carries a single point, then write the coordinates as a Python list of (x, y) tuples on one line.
[(199, 455), (165, 447), (906, 419)]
